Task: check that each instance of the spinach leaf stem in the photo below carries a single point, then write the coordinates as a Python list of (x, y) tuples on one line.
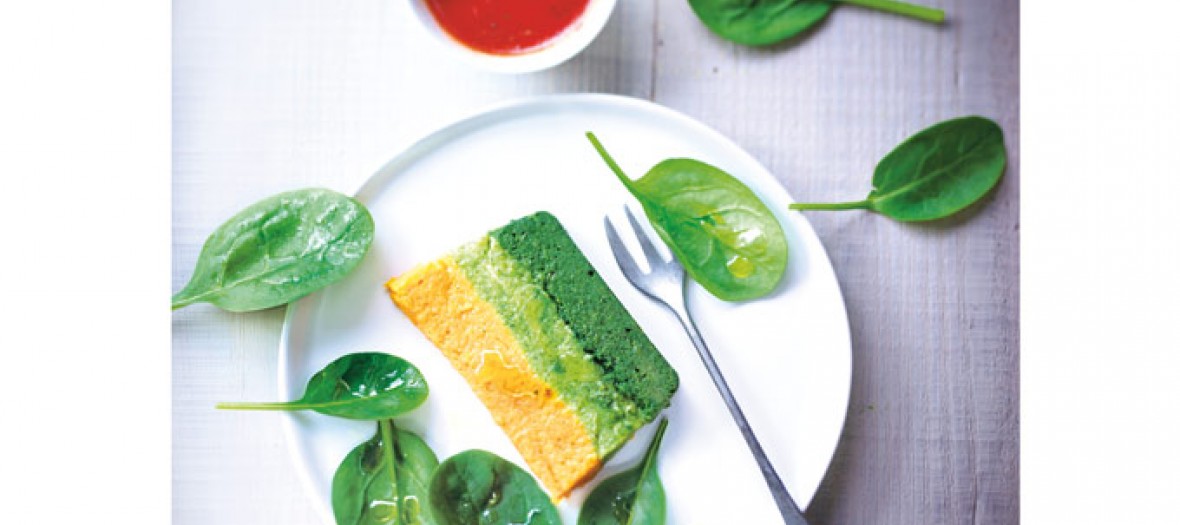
[(388, 443), (857, 205), (919, 12), (610, 162), (259, 406)]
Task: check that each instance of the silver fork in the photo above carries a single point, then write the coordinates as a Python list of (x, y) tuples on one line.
[(665, 283)]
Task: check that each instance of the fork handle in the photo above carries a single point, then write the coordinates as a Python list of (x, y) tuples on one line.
[(786, 505)]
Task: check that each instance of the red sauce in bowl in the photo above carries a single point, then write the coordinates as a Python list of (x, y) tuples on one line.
[(505, 27)]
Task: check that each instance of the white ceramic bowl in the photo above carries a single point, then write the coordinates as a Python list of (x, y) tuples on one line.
[(561, 48)]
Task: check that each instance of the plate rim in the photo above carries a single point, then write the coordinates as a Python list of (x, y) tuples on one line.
[(473, 120)]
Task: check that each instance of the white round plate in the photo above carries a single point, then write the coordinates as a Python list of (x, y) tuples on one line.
[(786, 356)]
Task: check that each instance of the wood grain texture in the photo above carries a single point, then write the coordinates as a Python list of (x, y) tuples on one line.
[(271, 95)]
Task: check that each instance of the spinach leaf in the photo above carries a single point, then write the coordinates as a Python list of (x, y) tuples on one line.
[(365, 385), (385, 480), (632, 497), (476, 487), (759, 22), (934, 174), (278, 250), (764, 22), (726, 238)]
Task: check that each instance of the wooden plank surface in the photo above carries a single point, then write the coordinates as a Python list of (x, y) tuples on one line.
[(271, 95)]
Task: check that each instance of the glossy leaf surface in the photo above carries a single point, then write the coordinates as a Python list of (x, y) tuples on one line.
[(632, 497), (476, 487), (385, 480), (720, 231), (365, 385), (278, 250), (934, 174)]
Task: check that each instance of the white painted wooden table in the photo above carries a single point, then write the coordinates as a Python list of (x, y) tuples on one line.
[(271, 95)]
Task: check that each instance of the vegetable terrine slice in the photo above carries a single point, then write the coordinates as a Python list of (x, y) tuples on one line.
[(559, 362)]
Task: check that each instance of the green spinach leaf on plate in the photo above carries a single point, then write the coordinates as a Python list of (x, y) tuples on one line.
[(364, 385), (476, 487), (632, 497), (720, 231), (385, 480)]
